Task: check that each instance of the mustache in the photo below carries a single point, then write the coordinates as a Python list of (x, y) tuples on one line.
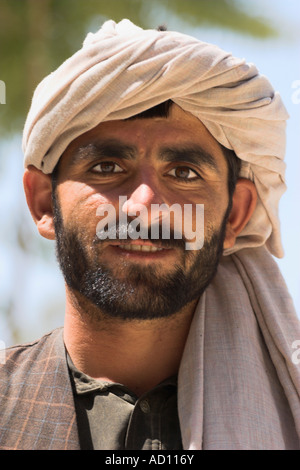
[(125, 232)]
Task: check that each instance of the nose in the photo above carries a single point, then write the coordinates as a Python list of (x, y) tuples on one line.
[(140, 200)]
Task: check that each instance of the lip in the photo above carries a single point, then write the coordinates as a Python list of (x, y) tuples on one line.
[(138, 243), (117, 249)]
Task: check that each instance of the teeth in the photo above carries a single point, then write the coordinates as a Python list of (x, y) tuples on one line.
[(140, 248)]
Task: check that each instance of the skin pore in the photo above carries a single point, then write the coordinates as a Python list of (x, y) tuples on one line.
[(137, 336)]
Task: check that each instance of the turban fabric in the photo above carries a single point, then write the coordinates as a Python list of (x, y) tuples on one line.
[(123, 70), (238, 385)]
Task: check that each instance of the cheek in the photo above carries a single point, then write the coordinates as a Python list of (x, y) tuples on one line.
[(79, 204), (201, 211), (215, 203)]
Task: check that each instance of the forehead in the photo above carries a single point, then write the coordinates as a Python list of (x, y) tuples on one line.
[(147, 136)]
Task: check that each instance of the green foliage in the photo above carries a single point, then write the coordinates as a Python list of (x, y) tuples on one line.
[(37, 35)]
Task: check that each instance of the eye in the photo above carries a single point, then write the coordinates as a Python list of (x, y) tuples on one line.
[(184, 173), (107, 168)]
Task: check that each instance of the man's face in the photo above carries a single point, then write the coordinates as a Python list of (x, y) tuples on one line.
[(168, 161)]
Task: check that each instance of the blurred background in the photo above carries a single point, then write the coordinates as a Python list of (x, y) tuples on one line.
[(36, 36)]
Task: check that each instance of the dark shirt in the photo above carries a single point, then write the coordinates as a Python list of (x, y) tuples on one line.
[(111, 417)]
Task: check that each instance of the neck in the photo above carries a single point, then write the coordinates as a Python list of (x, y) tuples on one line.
[(138, 354)]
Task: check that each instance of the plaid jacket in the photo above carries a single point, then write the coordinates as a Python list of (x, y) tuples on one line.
[(37, 410)]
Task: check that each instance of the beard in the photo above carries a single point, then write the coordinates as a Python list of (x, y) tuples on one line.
[(138, 292)]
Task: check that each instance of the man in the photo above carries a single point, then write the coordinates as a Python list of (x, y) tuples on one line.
[(172, 340)]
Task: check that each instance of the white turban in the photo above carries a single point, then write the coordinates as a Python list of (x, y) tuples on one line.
[(123, 70)]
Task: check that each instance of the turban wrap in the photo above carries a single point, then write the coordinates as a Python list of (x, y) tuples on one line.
[(123, 70), (238, 387)]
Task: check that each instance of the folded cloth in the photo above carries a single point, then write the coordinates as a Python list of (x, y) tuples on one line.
[(239, 381), (122, 70)]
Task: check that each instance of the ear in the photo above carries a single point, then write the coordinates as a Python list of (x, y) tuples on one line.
[(38, 191), (243, 205)]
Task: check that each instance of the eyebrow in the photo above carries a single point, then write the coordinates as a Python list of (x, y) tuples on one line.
[(193, 154), (190, 154), (106, 149)]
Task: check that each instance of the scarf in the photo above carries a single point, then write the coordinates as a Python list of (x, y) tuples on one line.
[(239, 379)]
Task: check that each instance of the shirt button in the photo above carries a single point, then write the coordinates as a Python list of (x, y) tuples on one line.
[(145, 407)]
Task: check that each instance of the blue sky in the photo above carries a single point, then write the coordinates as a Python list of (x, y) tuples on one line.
[(32, 282)]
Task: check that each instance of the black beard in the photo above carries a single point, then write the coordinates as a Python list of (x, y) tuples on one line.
[(144, 293)]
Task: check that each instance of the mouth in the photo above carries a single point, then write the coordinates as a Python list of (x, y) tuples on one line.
[(139, 248)]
